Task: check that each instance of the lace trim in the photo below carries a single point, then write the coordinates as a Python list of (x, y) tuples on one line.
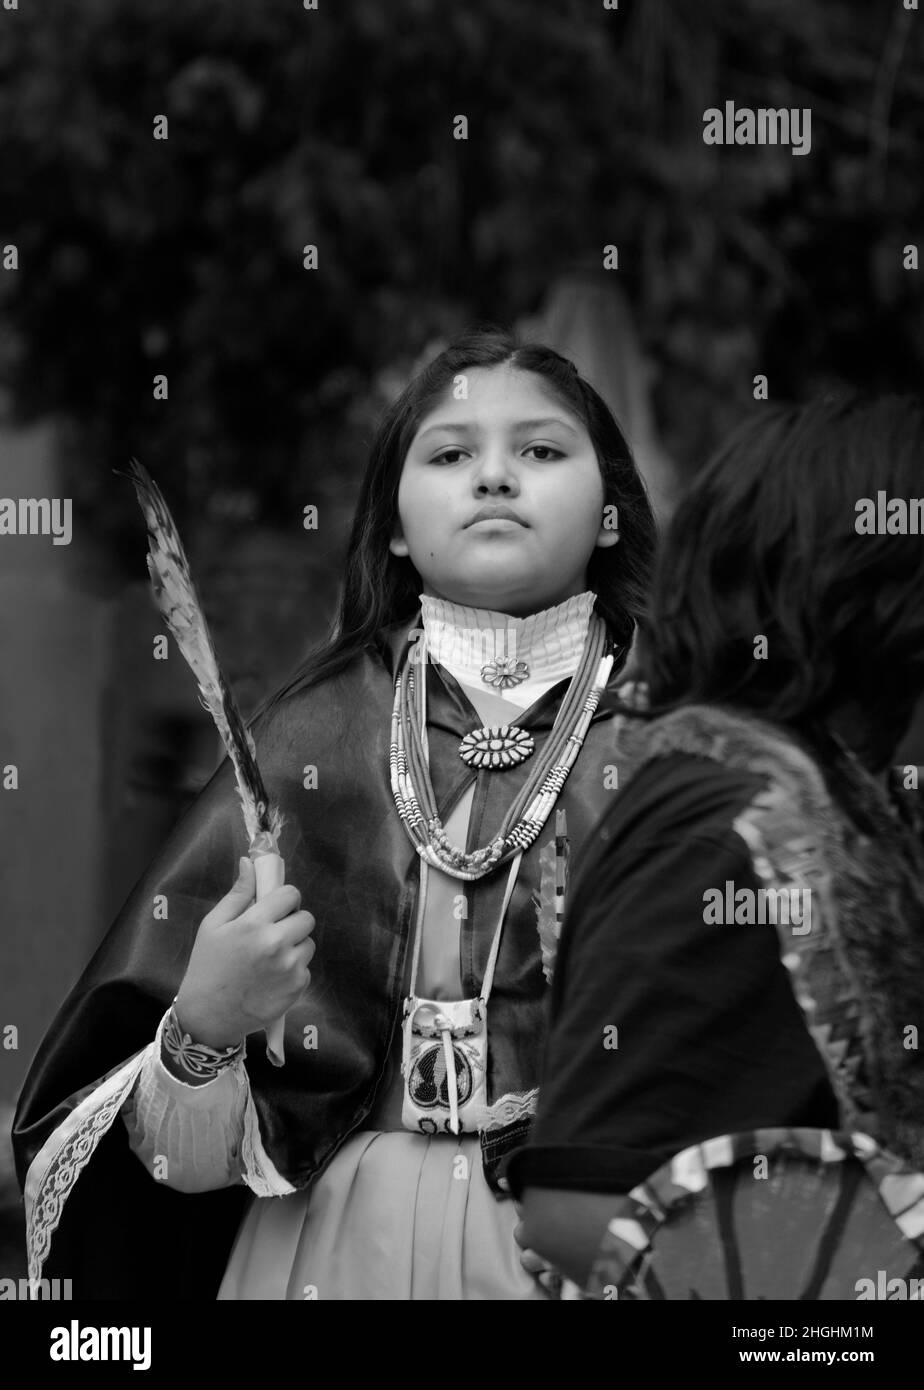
[(260, 1173), (509, 1108), (66, 1153)]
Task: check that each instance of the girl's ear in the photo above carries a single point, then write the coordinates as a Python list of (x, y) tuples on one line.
[(398, 545), (606, 537)]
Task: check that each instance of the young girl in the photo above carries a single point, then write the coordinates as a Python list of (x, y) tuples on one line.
[(496, 566), (743, 969)]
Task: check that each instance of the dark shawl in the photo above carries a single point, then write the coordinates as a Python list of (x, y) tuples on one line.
[(120, 1233)]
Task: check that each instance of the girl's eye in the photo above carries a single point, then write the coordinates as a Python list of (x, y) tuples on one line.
[(544, 452)]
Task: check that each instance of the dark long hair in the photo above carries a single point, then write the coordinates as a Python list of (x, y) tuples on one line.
[(381, 589), (766, 543)]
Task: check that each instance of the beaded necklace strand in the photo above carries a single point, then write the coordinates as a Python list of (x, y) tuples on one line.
[(410, 777)]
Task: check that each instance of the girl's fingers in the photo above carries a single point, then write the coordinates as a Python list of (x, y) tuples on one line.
[(536, 1265), (296, 961), (279, 903), (295, 930), (533, 1263), (545, 1275), (551, 1281)]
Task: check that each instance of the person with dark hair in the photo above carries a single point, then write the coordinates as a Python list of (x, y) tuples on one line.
[(732, 1099), (496, 569)]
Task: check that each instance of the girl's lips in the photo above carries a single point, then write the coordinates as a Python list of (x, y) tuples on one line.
[(496, 512), (500, 523)]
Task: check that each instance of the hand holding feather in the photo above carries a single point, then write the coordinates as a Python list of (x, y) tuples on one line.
[(182, 611), (249, 963)]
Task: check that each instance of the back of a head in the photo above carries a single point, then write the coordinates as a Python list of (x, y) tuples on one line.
[(791, 579)]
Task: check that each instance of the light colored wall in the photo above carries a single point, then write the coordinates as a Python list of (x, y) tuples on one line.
[(54, 642)]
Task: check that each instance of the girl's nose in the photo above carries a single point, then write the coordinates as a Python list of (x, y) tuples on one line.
[(495, 473)]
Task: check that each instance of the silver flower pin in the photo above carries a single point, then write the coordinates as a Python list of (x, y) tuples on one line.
[(504, 672)]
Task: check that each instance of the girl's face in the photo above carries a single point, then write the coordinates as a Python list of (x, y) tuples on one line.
[(508, 447)]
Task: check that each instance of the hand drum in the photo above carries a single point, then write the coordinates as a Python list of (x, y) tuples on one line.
[(775, 1214)]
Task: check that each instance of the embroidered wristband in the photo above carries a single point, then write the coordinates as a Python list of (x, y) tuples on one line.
[(197, 1059)]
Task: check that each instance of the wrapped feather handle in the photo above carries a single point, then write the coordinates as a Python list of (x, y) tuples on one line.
[(182, 612)]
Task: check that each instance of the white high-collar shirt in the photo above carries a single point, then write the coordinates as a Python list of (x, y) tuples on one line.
[(463, 640)]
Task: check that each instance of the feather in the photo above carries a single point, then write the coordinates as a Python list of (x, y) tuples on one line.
[(549, 901), (181, 608), (546, 913)]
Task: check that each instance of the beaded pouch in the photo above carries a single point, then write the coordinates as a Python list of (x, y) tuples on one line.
[(444, 1063)]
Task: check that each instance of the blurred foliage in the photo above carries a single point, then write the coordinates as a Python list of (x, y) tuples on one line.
[(335, 127)]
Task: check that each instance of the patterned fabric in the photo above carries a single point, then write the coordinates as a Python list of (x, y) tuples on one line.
[(197, 1059), (857, 975)]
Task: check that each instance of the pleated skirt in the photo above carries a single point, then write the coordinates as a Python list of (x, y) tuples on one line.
[(395, 1216)]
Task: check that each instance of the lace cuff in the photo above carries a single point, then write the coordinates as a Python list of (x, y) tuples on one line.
[(187, 1136), (196, 1138)]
